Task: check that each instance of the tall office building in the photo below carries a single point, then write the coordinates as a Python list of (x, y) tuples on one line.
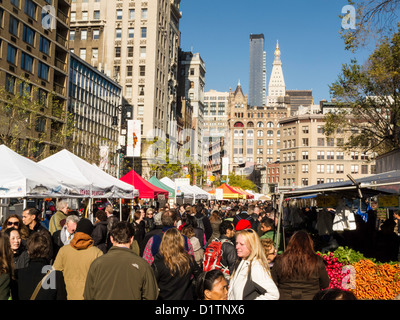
[(135, 43), (257, 71), (34, 69), (276, 87)]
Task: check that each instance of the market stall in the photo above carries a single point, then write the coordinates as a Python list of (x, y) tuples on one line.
[(350, 207), (145, 189)]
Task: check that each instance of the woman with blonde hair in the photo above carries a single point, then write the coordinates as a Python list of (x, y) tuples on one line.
[(174, 268), (251, 279)]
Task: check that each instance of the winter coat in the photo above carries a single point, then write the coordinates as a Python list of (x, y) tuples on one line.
[(175, 287), (258, 274), (99, 235), (29, 277), (5, 286), (300, 289), (57, 221), (120, 274), (229, 255), (74, 261)]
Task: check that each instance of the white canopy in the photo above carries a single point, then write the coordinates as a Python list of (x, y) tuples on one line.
[(21, 177), (187, 193), (188, 190), (202, 194), (99, 183)]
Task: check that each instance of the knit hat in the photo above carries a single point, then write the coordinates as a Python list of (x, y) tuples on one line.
[(84, 225), (243, 224)]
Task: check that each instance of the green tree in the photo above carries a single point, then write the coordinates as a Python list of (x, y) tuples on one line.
[(239, 181), (368, 100), (375, 19)]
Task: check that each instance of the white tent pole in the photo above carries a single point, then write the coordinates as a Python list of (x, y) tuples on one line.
[(279, 221), (120, 209)]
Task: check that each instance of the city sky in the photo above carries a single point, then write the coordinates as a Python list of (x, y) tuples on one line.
[(312, 51)]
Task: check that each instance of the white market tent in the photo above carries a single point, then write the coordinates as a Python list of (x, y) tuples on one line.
[(202, 194), (101, 184), (21, 177)]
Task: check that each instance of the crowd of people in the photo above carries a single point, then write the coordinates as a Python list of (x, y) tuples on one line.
[(206, 251)]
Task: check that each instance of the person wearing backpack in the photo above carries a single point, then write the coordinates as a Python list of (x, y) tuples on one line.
[(221, 253), (244, 215), (203, 222)]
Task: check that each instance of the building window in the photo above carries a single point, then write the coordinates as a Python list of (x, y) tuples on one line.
[(95, 53), (15, 3), (354, 155), (119, 14), (304, 168), (82, 53), (26, 62), (142, 52), (354, 169), (129, 71), (13, 26), (305, 142), (131, 14), (339, 168), (83, 34), (320, 129), (330, 155), (304, 181), (118, 33), (10, 83), (96, 14), (128, 91), (305, 129), (96, 34), (305, 155), (321, 142), (28, 35), (320, 180), (339, 155), (30, 8), (260, 124), (270, 124), (144, 13), (141, 90), (329, 168), (320, 168), (73, 16), (43, 72), (364, 169), (320, 155), (330, 142), (143, 32), (130, 52), (85, 15), (260, 133), (131, 33), (11, 54), (118, 52), (72, 35)]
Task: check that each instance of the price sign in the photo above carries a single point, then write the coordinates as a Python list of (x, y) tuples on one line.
[(327, 201), (388, 201)]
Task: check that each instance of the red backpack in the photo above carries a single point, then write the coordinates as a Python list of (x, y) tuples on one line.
[(212, 257)]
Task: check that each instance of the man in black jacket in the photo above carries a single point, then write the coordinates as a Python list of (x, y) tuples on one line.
[(229, 256), (244, 215)]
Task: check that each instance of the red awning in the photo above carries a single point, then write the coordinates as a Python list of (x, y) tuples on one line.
[(145, 188)]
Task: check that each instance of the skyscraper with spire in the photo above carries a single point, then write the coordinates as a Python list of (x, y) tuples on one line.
[(257, 71), (276, 87)]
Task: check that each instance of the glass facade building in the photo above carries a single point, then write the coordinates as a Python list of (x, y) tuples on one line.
[(257, 71), (94, 100)]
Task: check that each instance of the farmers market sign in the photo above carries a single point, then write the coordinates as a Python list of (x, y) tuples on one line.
[(327, 201), (388, 201)]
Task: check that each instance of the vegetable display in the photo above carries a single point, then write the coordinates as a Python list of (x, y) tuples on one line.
[(366, 278)]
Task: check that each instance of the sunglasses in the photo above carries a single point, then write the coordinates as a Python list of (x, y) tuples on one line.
[(10, 223)]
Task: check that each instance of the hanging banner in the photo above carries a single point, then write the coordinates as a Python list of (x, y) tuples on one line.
[(388, 201), (104, 151), (133, 138), (225, 166), (327, 202)]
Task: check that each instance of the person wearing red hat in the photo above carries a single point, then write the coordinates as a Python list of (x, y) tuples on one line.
[(243, 224)]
